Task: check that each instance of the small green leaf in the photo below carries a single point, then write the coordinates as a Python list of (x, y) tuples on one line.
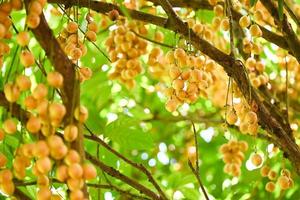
[(280, 9)]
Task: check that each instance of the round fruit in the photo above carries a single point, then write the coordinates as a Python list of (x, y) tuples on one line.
[(33, 124), (23, 82), (43, 194), (55, 79), (270, 186), (89, 171), (264, 171), (9, 126), (283, 182), (256, 159), (33, 20), (27, 58), (43, 165), (70, 132), (75, 171), (81, 113), (62, 173), (231, 117)]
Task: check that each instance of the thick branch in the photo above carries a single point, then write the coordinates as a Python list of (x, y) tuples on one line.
[(286, 28)]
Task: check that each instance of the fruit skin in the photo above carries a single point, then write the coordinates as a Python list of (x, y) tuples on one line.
[(270, 186), (9, 126), (89, 171), (283, 182), (256, 159), (27, 58), (55, 79)]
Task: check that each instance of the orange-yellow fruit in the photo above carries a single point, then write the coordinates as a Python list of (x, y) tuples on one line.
[(35, 7), (75, 171), (171, 105), (251, 117), (283, 182), (40, 92), (264, 171), (159, 36), (33, 20), (74, 184), (81, 113), (57, 111), (72, 27), (244, 21), (55, 79), (2, 31), (41, 149), (62, 173), (11, 92), (113, 15), (27, 58), (3, 160), (272, 175), (255, 30), (2, 134), (231, 117), (23, 82), (16, 4), (92, 26), (43, 165), (9, 126), (72, 157), (256, 159), (91, 35), (33, 124), (44, 193), (8, 188), (76, 195), (70, 132), (30, 103), (5, 176), (270, 186), (89, 171), (42, 181), (225, 24)]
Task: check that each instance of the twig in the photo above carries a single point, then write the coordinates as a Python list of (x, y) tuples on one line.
[(291, 13), (196, 170), (140, 167), (153, 41), (115, 173)]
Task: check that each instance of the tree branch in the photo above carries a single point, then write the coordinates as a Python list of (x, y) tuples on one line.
[(286, 28), (140, 167)]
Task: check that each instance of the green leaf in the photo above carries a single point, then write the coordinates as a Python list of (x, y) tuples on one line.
[(253, 2), (280, 9), (126, 132)]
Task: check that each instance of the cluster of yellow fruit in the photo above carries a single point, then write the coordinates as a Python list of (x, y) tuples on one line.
[(35, 9), (284, 181), (71, 43), (256, 72), (248, 122), (5, 24), (157, 62), (191, 76), (51, 149), (125, 48), (233, 156)]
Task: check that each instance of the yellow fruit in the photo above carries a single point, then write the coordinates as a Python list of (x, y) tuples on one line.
[(55, 79), (35, 7), (9, 126), (2, 31), (225, 24), (76, 195), (70, 132), (57, 111), (74, 184), (89, 171), (8, 188), (11, 92), (270, 186), (283, 182), (27, 58), (41, 149), (81, 113), (171, 105), (264, 171), (91, 35), (75, 171), (33, 124), (272, 175), (23, 82), (92, 26), (62, 173), (42, 181), (3, 160), (255, 30), (44, 193), (256, 159), (231, 117), (72, 27), (159, 36), (244, 21), (16, 4), (43, 165), (251, 117), (33, 20), (174, 72), (218, 10)]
